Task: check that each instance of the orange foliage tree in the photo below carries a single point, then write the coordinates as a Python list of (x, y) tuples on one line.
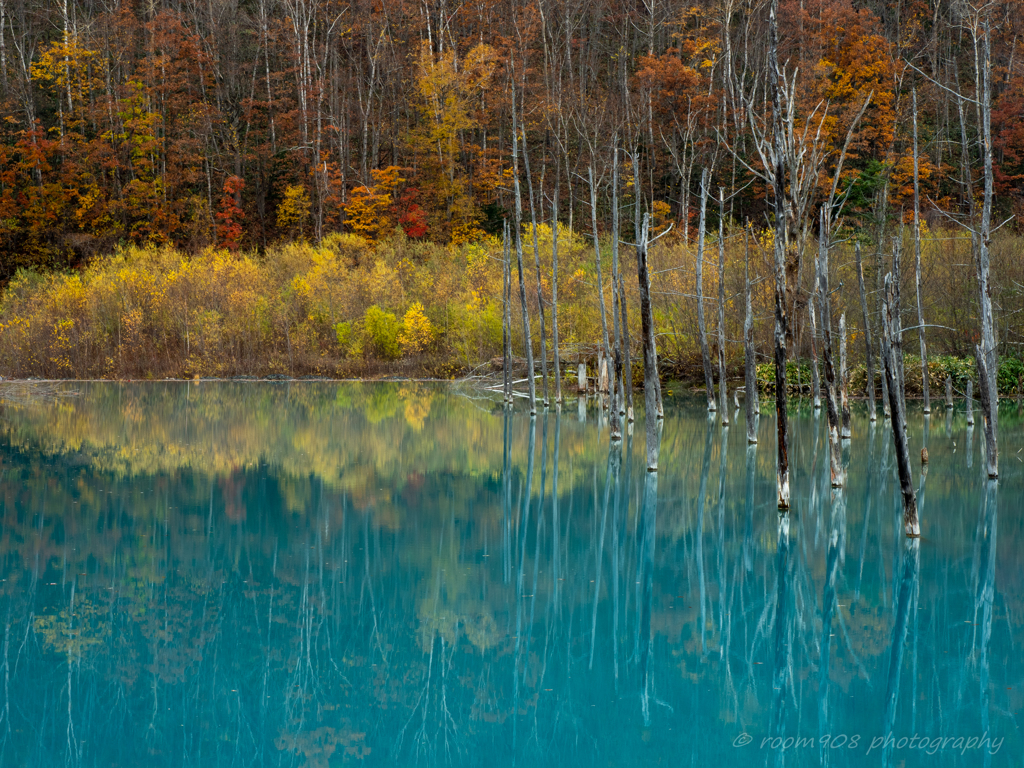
[(230, 215), (368, 212)]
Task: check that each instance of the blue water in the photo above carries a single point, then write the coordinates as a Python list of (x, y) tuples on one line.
[(314, 574)]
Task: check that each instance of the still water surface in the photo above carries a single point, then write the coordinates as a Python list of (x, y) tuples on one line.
[(312, 574)]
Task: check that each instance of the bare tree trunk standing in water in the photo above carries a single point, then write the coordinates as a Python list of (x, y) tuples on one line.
[(506, 312), (897, 283), (825, 310), (892, 349), (605, 348), (986, 350), (627, 363), (886, 404), (527, 341), (723, 394), (642, 228), (917, 265), (750, 369), (618, 398), (815, 374), (844, 380), (554, 281), (627, 357), (536, 262), (652, 390), (868, 351), (779, 191), (709, 379)]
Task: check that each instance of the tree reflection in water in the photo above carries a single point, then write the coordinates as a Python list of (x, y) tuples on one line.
[(314, 574)]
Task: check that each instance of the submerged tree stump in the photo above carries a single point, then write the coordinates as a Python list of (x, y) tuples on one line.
[(602, 375)]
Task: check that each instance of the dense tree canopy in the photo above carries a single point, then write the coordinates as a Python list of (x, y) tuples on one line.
[(243, 124)]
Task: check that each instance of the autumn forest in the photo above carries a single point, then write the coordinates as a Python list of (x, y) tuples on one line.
[(316, 187)]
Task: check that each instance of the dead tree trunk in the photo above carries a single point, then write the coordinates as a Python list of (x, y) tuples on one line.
[(506, 319), (597, 258), (709, 379), (897, 282), (986, 350), (627, 361), (750, 365), (969, 402), (868, 351), (723, 392), (779, 154), (652, 390), (815, 375), (527, 341), (988, 409), (886, 404), (917, 266), (554, 280), (813, 315), (781, 404), (641, 225), (891, 352), (536, 262), (844, 380), (617, 406), (949, 393), (831, 404)]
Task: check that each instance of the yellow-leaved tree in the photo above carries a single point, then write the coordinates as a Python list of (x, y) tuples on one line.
[(293, 212), (447, 92), (416, 332), (72, 72)]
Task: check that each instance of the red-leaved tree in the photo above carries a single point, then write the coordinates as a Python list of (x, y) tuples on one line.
[(230, 215)]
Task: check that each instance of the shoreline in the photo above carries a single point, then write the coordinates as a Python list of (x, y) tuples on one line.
[(690, 390), (238, 380)]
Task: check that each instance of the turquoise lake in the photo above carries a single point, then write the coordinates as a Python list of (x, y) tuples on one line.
[(318, 574)]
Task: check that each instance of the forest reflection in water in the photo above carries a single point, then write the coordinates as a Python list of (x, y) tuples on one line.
[(315, 574)]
